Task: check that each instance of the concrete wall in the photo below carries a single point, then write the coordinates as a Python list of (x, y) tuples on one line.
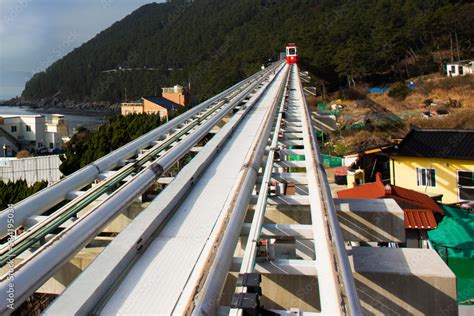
[(446, 175), (404, 282)]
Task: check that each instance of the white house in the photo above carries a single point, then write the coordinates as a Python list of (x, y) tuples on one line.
[(30, 132), (460, 68)]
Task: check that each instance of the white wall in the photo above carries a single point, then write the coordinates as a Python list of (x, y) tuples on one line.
[(37, 137), (31, 169), (452, 70)]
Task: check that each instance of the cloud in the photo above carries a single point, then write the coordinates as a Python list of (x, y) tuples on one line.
[(35, 33)]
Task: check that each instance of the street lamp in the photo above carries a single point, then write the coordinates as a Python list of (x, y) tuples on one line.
[(4, 150)]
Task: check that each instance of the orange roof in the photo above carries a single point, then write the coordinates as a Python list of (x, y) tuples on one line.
[(418, 207), (416, 199), (374, 190), (419, 219)]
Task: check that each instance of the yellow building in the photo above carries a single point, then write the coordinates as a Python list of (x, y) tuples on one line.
[(436, 162), (150, 105), (177, 94), (171, 99), (131, 108)]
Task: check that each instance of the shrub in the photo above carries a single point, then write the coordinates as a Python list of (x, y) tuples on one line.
[(399, 91), (23, 154), (13, 192), (428, 102), (453, 103)]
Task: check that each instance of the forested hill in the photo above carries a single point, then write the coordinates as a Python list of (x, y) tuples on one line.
[(213, 43)]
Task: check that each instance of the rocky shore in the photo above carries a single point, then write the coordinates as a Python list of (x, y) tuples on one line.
[(51, 105)]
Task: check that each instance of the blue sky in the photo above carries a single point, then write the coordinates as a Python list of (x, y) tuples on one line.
[(34, 33)]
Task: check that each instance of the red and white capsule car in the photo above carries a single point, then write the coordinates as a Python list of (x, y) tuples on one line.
[(291, 54)]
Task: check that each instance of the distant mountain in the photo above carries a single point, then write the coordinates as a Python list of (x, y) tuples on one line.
[(209, 44)]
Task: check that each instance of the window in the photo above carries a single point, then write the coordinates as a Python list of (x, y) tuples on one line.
[(28, 128), (292, 51), (13, 129), (461, 70), (425, 177), (466, 185), (453, 69), (51, 145)]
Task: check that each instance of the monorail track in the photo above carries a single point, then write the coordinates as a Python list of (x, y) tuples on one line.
[(193, 226), (176, 139), (38, 232)]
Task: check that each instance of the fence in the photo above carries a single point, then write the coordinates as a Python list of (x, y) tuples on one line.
[(44, 168)]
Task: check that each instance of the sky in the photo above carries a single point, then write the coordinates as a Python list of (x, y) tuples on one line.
[(35, 33)]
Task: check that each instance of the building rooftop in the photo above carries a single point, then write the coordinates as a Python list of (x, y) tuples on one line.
[(437, 143), (167, 104), (418, 207), (466, 62)]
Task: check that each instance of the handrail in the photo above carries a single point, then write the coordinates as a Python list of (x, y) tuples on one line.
[(336, 234)]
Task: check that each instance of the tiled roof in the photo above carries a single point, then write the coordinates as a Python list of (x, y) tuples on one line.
[(167, 104), (413, 200), (410, 201), (419, 219), (374, 190), (437, 143)]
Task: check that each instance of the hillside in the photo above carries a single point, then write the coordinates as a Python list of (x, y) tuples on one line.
[(210, 44), (370, 120)]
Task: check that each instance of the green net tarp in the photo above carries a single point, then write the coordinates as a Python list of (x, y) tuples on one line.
[(456, 231), (356, 126), (331, 161), (296, 157), (456, 212), (323, 108)]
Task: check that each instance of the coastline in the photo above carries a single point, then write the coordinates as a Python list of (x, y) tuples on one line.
[(90, 109)]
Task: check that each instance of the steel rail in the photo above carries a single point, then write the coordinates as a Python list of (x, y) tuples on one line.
[(35, 270), (330, 292), (248, 260), (47, 198), (335, 236)]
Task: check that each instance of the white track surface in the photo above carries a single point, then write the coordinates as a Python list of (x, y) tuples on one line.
[(164, 277)]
